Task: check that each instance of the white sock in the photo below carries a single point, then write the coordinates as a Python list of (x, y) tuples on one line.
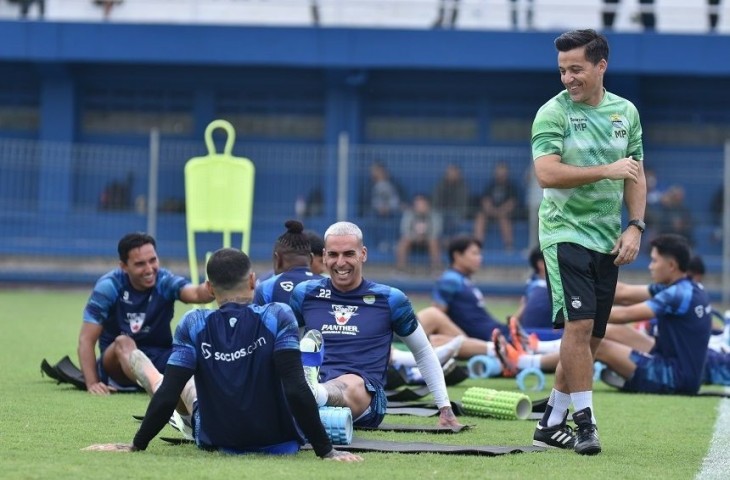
[(448, 350), (490, 349), (547, 346), (401, 357), (583, 400), (561, 402), (529, 361), (320, 395)]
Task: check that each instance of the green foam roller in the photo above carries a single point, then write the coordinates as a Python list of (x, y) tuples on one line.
[(486, 402)]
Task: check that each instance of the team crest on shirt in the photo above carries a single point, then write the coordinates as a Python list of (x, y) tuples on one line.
[(343, 313), (136, 320), (287, 286), (369, 299), (616, 121), (232, 321), (575, 302)]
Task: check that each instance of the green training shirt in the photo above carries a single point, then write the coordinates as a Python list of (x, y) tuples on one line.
[(583, 135)]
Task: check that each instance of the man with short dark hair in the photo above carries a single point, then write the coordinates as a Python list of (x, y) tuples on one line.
[(587, 150), (131, 307)]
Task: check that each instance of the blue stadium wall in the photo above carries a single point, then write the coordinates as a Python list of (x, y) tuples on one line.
[(342, 78)]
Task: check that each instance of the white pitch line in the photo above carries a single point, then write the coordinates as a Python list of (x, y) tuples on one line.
[(716, 464)]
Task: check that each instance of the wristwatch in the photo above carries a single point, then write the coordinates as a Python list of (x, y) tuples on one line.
[(638, 224)]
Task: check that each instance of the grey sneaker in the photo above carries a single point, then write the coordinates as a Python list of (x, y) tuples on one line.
[(586, 438), (183, 424), (557, 436)]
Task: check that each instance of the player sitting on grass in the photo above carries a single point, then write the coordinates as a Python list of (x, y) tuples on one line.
[(249, 393)]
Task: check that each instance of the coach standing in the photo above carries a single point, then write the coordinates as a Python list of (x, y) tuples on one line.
[(587, 151)]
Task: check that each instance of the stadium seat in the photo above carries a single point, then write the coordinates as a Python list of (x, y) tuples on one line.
[(723, 22), (419, 14), (567, 14), (218, 195), (681, 16), (484, 15)]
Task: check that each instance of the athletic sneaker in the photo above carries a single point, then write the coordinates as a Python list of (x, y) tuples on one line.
[(558, 436), (311, 342), (586, 437), (521, 340), (506, 354), (183, 424), (612, 378)]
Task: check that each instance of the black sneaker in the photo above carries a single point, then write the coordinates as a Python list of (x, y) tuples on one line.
[(586, 438), (558, 436)]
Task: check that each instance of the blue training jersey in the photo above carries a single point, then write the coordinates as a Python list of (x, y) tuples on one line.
[(145, 316), (538, 310), (464, 305), (357, 326), (279, 287), (241, 401), (684, 322)]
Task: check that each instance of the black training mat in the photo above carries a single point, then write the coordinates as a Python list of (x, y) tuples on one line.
[(457, 407), (711, 393), (415, 411), (395, 427), (64, 372), (407, 394), (70, 373), (428, 409), (48, 370), (455, 375), (366, 445), (178, 440), (538, 406)]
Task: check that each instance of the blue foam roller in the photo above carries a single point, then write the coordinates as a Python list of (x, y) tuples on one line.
[(337, 422), (483, 366), (597, 369), (531, 372)]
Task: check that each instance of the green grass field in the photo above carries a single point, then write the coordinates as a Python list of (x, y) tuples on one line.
[(44, 426)]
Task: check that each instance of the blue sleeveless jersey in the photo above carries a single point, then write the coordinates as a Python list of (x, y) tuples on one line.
[(684, 321), (465, 306), (241, 402), (279, 287), (145, 316), (357, 326)]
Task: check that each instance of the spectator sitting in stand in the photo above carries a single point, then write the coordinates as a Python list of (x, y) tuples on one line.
[(381, 202), (420, 228), (499, 202), (451, 200)]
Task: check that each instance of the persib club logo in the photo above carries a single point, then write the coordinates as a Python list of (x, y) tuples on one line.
[(343, 313), (136, 320), (616, 121), (575, 302)]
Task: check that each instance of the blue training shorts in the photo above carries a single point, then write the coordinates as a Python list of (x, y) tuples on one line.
[(653, 375), (374, 414)]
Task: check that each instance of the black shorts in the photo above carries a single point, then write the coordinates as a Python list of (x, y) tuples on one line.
[(581, 285)]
